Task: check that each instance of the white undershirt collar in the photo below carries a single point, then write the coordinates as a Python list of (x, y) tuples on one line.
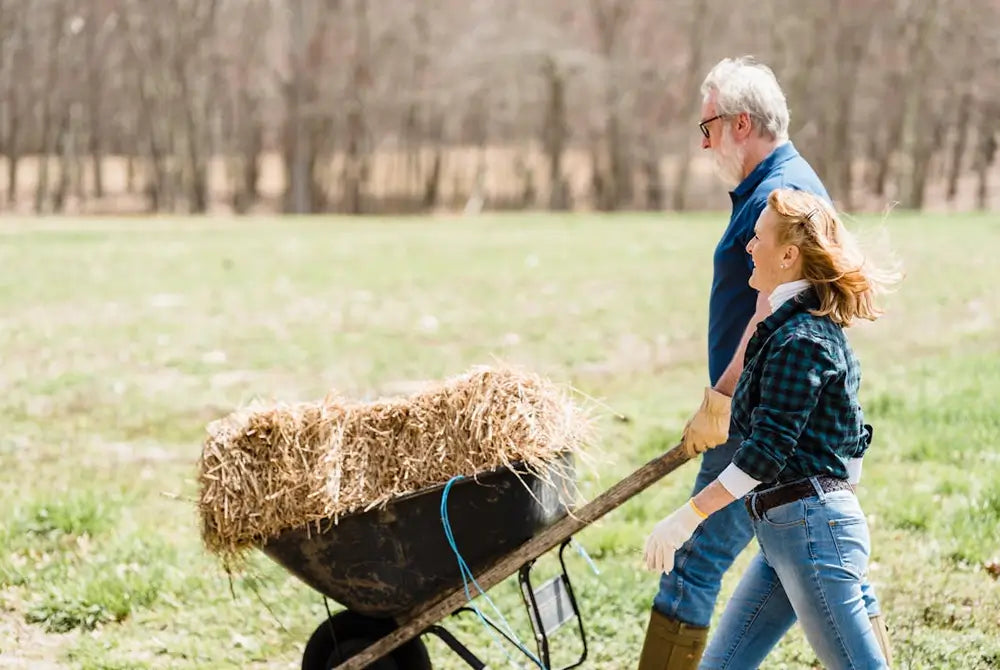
[(786, 291)]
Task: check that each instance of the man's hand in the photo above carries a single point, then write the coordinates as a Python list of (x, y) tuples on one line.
[(709, 426), (670, 535)]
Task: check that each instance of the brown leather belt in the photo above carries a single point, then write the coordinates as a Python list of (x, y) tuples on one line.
[(758, 503)]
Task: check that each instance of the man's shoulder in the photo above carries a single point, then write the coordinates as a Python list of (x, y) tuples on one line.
[(794, 173)]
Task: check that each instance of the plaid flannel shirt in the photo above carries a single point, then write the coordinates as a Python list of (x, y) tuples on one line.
[(796, 403)]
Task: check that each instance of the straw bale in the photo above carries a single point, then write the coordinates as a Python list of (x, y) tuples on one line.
[(264, 469)]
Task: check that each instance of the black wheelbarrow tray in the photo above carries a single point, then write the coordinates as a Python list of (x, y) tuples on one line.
[(396, 574)]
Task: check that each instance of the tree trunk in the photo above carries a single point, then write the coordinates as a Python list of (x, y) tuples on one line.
[(432, 185), (64, 147), (297, 161), (95, 95), (850, 49), (355, 163), (654, 179), (917, 118), (698, 29), (130, 173), (986, 153), (252, 147), (961, 141), (555, 133), (800, 90), (14, 48), (156, 174), (415, 181), (622, 188), (195, 139), (12, 146), (598, 177), (49, 132), (196, 169), (610, 17), (432, 181)]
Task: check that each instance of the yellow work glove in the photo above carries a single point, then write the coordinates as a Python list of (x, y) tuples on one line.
[(709, 427)]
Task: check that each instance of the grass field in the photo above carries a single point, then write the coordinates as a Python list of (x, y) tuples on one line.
[(121, 339)]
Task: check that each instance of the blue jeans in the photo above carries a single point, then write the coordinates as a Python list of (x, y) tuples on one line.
[(689, 592), (811, 567)]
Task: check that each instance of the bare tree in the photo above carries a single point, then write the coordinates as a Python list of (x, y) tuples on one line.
[(373, 108), (309, 123), (616, 184), (355, 160), (99, 26), (848, 51), (52, 113), (986, 151), (16, 54), (923, 125), (701, 25)]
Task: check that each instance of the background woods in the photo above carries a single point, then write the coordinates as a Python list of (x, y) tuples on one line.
[(375, 106)]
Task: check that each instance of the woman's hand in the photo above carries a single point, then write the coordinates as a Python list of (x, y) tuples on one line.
[(669, 535)]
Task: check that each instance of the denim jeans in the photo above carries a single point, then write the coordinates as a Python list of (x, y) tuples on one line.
[(811, 568), (689, 592)]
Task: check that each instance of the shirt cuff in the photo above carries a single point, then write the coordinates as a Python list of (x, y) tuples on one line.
[(737, 482), (854, 470)]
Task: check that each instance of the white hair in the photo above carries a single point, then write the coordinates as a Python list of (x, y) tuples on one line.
[(744, 85)]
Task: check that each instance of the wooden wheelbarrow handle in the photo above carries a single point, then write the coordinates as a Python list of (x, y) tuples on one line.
[(537, 545)]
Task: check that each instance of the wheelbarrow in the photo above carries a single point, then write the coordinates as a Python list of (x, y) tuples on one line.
[(396, 573)]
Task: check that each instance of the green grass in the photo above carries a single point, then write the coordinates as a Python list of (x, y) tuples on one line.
[(122, 339)]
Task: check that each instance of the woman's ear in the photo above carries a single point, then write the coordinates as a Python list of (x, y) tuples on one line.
[(791, 254)]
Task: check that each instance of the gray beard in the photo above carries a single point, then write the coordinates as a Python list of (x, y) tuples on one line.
[(729, 169)]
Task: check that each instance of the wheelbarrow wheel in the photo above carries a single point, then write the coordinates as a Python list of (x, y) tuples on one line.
[(348, 633)]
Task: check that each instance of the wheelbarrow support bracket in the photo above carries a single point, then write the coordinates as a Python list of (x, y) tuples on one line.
[(550, 606), (460, 649)]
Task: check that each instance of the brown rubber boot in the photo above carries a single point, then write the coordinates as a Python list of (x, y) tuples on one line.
[(671, 644), (882, 635)]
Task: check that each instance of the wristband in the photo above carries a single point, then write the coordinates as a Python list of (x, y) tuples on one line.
[(696, 510)]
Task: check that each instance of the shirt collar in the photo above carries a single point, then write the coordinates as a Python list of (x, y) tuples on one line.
[(783, 292), (780, 154), (807, 299)]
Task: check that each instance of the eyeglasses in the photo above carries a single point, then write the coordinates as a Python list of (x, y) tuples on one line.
[(704, 124)]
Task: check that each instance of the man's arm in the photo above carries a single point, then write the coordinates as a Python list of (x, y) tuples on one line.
[(727, 382), (710, 424)]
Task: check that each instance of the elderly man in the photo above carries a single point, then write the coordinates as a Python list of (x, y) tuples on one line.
[(744, 123)]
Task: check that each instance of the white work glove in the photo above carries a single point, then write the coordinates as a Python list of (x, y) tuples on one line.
[(670, 535), (709, 427)]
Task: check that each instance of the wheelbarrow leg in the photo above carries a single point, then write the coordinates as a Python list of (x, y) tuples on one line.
[(463, 652), (550, 606)]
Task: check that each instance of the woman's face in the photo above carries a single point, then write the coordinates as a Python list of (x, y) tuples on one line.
[(773, 263)]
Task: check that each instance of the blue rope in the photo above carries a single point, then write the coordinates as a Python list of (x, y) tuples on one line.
[(467, 577), (583, 552)]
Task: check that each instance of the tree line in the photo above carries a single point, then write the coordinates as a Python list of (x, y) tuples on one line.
[(376, 106)]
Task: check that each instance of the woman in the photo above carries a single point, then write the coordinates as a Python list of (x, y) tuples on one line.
[(796, 408)]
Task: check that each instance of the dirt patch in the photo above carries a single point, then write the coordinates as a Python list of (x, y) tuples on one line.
[(26, 646)]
